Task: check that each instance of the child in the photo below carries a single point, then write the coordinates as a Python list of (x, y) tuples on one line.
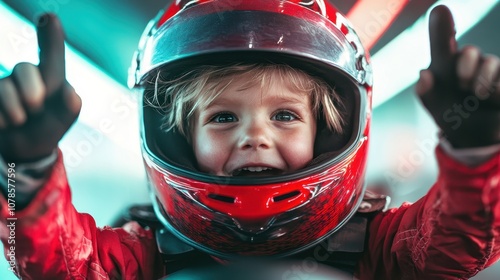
[(255, 130), (278, 98)]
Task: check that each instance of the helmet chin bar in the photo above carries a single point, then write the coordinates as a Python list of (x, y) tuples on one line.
[(274, 236), (244, 237)]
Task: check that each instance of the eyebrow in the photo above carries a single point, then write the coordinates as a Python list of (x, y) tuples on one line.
[(278, 99), (289, 99)]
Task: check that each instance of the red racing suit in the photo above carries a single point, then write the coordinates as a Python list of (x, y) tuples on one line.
[(450, 233)]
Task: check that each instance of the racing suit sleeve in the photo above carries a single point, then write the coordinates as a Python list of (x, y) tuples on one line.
[(450, 233), (49, 239), (25, 179)]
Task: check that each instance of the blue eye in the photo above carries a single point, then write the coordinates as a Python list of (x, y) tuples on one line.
[(285, 116), (224, 118)]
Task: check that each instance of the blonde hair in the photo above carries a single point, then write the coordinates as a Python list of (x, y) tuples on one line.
[(180, 98)]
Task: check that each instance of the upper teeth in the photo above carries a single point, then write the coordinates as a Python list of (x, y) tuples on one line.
[(255, 169)]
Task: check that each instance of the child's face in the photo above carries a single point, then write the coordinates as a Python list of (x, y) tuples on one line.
[(247, 132)]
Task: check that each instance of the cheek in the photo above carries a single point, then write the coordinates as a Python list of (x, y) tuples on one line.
[(209, 150), (298, 149)]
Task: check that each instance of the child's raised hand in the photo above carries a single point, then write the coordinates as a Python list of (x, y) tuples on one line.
[(461, 88), (37, 104)]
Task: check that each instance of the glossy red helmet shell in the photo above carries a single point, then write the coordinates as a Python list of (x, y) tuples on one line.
[(230, 217)]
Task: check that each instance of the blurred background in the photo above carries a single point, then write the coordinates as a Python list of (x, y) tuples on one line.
[(102, 153)]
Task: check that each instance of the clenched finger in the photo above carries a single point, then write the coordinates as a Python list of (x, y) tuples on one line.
[(467, 66), (3, 122), (487, 73), (10, 103), (30, 86)]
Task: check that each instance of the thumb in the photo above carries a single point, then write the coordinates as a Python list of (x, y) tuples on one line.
[(67, 105), (425, 83), (442, 41)]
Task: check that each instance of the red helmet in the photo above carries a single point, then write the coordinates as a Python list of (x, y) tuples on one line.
[(281, 215)]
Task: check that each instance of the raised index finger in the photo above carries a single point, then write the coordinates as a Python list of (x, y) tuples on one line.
[(442, 41), (51, 44)]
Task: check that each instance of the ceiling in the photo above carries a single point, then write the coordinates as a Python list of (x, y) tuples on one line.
[(107, 32)]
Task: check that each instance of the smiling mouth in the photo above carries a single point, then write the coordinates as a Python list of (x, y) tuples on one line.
[(256, 172)]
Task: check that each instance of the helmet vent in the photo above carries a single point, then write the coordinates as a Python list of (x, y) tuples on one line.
[(359, 63), (222, 198), (286, 196)]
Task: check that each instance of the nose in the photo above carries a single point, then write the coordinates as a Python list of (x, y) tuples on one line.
[(255, 135)]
